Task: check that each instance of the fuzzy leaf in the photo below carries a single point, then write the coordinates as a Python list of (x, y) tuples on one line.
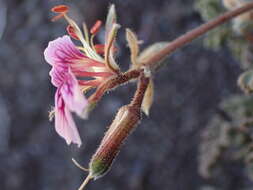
[(133, 45), (148, 98)]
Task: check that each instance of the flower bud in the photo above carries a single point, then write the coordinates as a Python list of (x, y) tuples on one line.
[(124, 123)]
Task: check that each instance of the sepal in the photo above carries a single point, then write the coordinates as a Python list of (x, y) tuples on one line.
[(148, 98), (133, 45)]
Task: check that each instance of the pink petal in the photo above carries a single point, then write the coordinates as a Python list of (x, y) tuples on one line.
[(73, 96), (58, 75), (64, 123), (62, 51)]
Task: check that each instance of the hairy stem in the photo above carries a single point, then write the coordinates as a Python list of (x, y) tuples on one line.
[(114, 82), (197, 32)]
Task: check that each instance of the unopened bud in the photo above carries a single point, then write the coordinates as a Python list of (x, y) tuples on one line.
[(124, 123)]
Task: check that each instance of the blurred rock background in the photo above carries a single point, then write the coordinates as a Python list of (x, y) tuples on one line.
[(161, 154)]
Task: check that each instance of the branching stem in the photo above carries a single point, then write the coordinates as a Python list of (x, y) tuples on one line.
[(170, 48)]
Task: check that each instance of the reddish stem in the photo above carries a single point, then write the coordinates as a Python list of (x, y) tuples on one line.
[(195, 33)]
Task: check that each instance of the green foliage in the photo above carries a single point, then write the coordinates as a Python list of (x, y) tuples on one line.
[(228, 138), (209, 9)]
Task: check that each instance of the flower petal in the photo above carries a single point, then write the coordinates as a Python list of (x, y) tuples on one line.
[(58, 75), (62, 51), (73, 96), (64, 123)]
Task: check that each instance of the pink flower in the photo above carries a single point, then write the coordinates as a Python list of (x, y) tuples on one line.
[(63, 53), (68, 96), (72, 70)]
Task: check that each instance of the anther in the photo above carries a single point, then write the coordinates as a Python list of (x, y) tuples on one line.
[(71, 31), (60, 9), (96, 27), (57, 17)]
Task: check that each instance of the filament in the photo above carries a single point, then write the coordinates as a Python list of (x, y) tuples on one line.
[(79, 166)]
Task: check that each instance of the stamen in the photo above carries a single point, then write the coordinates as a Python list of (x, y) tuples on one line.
[(86, 46), (57, 17), (85, 89), (100, 48), (71, 31), (91, 74), (92, 41), (86, 33), (90, 83), (60, 9), (96, 27)]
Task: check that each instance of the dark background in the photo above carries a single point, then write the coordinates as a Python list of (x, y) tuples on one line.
[(161, 154)]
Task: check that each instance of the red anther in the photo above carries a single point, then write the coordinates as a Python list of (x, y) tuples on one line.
[(71, 32), (60, 9), (96, 27)]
